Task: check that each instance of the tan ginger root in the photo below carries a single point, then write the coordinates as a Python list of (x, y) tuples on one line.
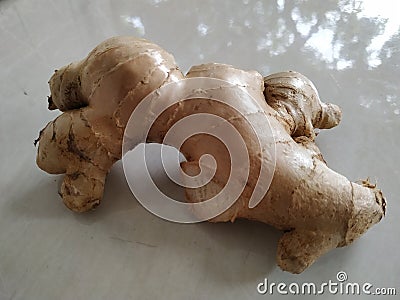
[(317, 208), (97, 96)]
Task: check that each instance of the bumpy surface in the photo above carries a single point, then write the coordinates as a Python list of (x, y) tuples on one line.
[(97, 96), (318, 208)]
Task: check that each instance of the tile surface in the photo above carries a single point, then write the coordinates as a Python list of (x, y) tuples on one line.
[(350, 49)]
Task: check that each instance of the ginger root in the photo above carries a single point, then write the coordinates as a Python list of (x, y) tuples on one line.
[(317, 208), (97, 96)]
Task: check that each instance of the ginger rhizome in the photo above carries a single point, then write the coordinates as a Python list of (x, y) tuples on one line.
[(317, 208)]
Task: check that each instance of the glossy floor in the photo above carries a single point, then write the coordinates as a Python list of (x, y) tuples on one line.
[(350, 49)]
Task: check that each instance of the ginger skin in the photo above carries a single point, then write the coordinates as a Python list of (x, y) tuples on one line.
[(97, 95), (317, 208)]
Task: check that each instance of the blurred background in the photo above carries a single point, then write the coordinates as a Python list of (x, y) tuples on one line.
[(349, 49)]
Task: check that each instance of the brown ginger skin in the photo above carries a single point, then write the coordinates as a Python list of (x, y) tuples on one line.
[(97, 95), (318, 208)]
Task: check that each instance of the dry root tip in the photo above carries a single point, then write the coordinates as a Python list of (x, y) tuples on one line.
[(380, 199), (38, 139), (367, 183), (331, 116), (51, 105)]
